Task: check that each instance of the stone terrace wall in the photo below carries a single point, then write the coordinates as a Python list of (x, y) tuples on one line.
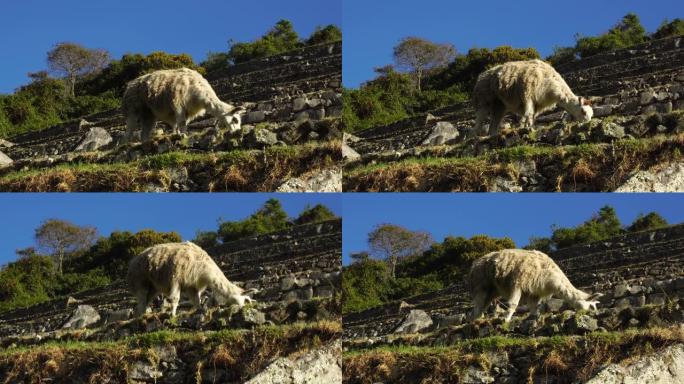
[(630, 270), (299, 263)]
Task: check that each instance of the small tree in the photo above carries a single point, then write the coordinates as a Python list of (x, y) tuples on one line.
[(393, 242), (419, 56), (60, 238), (73, 60)]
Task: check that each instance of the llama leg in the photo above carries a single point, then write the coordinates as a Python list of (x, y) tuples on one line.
[(533, 305), (480, 117), (142, 297), (181, 126), (174, 297), (528, 115), (147, 123), (512, 302), (195, 297), (480, 301), (132, 125), (498, 113)]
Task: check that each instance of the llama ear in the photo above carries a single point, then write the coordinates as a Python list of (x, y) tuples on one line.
[(596, 296)]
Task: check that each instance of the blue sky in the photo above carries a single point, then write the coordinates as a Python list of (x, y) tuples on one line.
[(373, 28), (183, 213), (30, 28), (517, 216)]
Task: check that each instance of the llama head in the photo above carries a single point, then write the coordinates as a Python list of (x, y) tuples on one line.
[(590, 303), (582, 110), (231, 120)]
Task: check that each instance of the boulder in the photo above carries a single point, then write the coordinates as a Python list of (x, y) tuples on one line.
[(321, 365), (254, 117), (327, 180), (349, 154), (94, 139), (249, 317), (442, 133), (667, 179), (5, 160), (415, 321), (261, 138), (83, 316), (663, 367)]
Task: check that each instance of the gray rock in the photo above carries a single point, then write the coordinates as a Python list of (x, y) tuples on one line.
[(248, 317), (663, 367), (321, 365), (442, 133), (646, 97), (287, 283), (602, 110), (327, 180), (118, 315), (620, 290), (501, 184), (262, 138), (298, 104), (83, 316), (668, 179), (5, 160), (416, 320), (476, 375), (95, 139), (554, 305), (611, 130), (144, 371), (254, 117), (349, 154), (664, 107), (585, 323)]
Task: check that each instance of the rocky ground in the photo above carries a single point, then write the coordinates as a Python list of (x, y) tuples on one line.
[(633, 143), (428, 338), (292, 332), (290, 139)]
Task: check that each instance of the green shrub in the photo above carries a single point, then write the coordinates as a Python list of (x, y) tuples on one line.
[(668, 29), (647, 222), (327, 34), (269, 218), (314, 214)]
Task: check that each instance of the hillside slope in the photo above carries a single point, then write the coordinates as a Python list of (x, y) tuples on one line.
[(291, 131), (296, 319), (641, 276), (638, 97)]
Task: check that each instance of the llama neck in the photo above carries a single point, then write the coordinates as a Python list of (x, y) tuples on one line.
[(219, 108)]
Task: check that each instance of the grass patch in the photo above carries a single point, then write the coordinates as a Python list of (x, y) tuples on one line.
[(242, 170), (585, 167)]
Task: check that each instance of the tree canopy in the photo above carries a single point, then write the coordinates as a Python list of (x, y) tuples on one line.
[(419, 56)]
